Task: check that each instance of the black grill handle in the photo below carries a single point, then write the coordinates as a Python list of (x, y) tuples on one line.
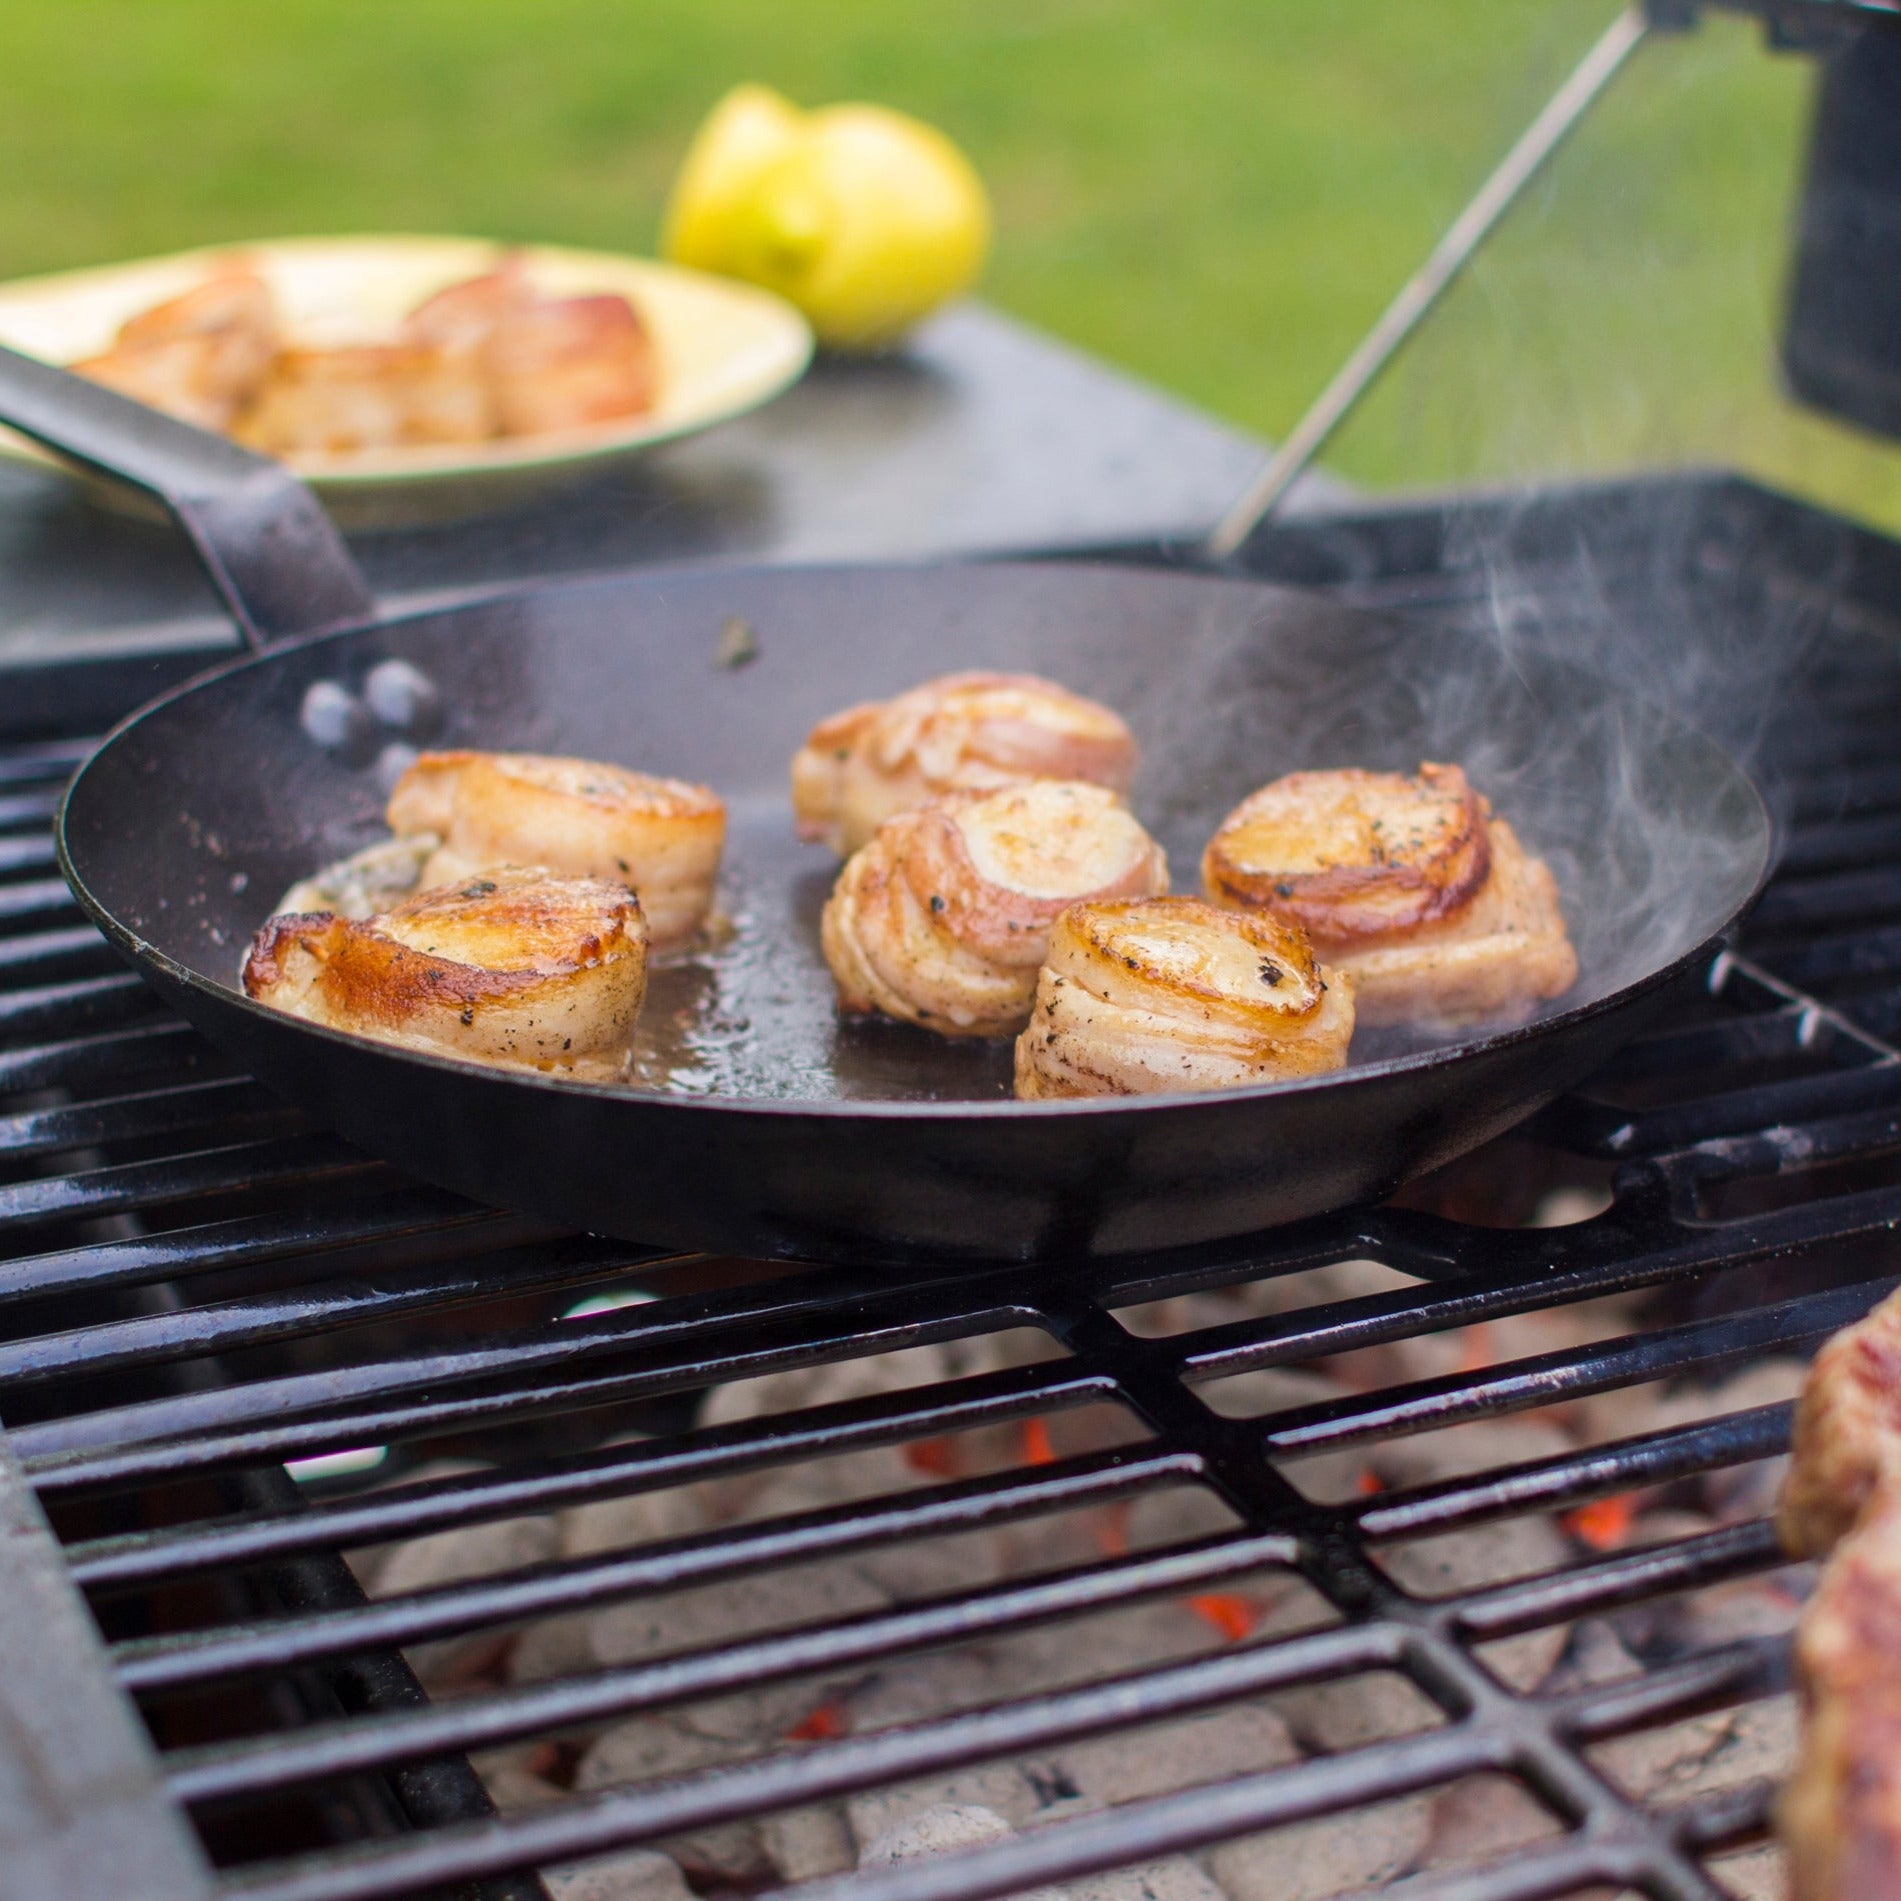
[(274, 556)]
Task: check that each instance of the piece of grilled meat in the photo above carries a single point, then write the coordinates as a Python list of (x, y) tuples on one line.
[(1409, 885), (943, 919), (963, 732), (1840, 1816), (517, 968), (201, 355), (1141, 995), (577, 817)]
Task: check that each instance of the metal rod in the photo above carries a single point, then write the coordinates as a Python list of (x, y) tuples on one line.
[(1422, 291)]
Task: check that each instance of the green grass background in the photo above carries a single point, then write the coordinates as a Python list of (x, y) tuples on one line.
[(1219, 194)]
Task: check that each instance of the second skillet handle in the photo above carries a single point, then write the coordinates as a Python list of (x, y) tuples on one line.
[(271, 552)]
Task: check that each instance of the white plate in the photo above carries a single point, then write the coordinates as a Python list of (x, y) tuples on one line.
[(723, 349)]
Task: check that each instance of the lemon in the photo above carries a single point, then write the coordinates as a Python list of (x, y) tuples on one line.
[(749, 129), (864, 218)]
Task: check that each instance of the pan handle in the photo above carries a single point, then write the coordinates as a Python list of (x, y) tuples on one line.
[(274, 556)]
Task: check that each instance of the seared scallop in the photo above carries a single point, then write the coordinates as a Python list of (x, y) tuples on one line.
[(200, 355), (547, 363), (1144, 995), (943, 919), (1409, 885), (465, 315), (574, 816), (517, 967), (570, 363), (365, 396), (961, 732)]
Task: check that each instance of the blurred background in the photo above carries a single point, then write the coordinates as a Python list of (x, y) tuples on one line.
[(1217, 194)]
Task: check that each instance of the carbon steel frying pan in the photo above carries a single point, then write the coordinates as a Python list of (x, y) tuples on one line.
[(763, 1125)]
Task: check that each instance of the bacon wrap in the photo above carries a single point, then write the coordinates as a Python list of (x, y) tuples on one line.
[(1394, 888)]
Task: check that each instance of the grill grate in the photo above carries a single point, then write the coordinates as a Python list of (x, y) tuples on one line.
[(200, 1293)]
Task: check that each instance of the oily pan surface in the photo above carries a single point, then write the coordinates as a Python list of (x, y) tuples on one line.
[(189, 828)]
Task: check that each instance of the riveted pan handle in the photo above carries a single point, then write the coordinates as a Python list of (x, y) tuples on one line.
[(270, 550)]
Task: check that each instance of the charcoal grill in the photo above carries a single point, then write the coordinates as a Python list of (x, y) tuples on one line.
[(201, 1294), (233, 1351)]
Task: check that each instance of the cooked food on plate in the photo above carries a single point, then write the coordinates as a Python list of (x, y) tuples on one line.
[(963, 731), (943, 918), (366, 396), (487, 357), (1139, 995), (577, 817), (1409, 885), (565, 362), (202, 355), (516, 967), (1840, 1816)]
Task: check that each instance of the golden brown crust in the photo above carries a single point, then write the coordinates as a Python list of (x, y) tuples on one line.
[(1408, 885), (1158, 994), (281, 941), (1353, 857), (579, 817), (944, 917), (961, 732), (514, 968)]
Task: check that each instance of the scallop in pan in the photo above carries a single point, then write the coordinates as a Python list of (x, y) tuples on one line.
[(1409, 885), (943, 919), (963, 732), (1147, 995), (517, 968), (575, 817)]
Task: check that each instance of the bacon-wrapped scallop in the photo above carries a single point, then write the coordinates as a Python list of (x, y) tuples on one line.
[(943, 919), (1142, 995), (1409, 885), (354, 397), (201, 355), (570, 363), (575, 817), (961, 732), (1840, 1814), (516, 967), (545, 363), (1847, 1439)]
